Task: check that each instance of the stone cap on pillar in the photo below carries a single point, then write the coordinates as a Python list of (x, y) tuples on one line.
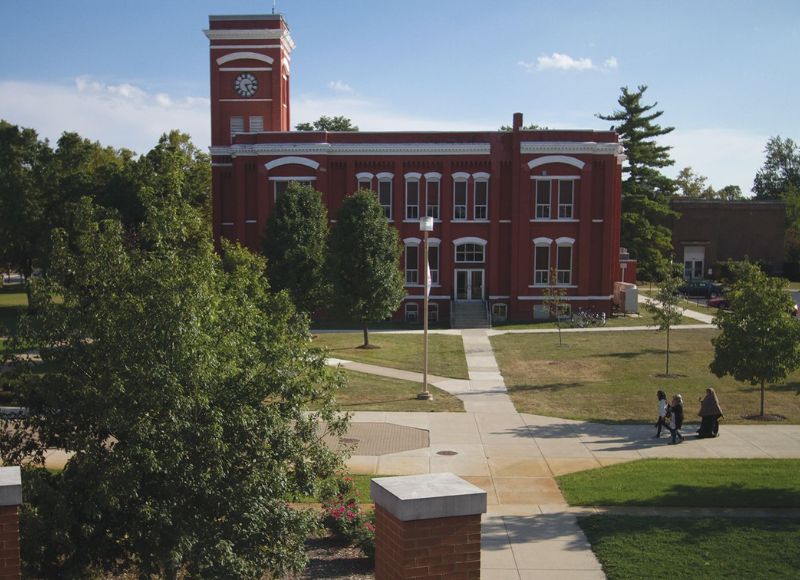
[(425, 497), (10, 486)]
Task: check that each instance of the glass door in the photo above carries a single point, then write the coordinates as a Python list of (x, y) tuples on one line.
[(469, 284)]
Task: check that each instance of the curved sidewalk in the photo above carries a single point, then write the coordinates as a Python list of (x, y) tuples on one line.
[(529, 530)]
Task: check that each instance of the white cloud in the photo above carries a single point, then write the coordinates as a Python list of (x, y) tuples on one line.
[(725, 156), (340, 87), (120, 115), (558, 61)]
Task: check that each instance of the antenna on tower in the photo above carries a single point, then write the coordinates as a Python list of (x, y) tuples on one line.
[(273, 7)]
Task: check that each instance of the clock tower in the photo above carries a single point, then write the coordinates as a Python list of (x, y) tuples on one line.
[(250, 57)]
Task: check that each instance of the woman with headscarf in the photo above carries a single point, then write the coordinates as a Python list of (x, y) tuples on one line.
[(710, 413)]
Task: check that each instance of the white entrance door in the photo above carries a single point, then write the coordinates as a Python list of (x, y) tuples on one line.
[(469, 284), (693, 260)]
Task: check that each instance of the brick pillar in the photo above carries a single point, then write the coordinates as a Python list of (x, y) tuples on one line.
[(427, 526), (10, 500)]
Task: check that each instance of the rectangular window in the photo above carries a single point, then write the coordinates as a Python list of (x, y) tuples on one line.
[(564, 267), (237, 125), (412, 200), (433, 263), (566, 195), (499, 312), (433, 313), (469, 253), (481, 200), (460, 200), (432, 193), (412, 264), (385, 197), (412, 312), (365, 183), (541, 265), (256, 124), (542, 200)]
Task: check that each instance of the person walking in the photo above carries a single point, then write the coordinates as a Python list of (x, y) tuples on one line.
[(676, 419), (662, 413), (710, 414)]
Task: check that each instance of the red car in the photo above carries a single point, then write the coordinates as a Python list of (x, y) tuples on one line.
[(718, 302)]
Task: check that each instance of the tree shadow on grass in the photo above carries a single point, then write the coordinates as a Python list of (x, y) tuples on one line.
[(638, 353), (550, 387), (732, 495)]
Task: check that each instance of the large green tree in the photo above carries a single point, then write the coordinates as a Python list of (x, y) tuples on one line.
[(25, 163), (759, 337), (646, 190), (296, 245), (781, 170), (325, 123), (695, 186), (180, 385), (364, 261)]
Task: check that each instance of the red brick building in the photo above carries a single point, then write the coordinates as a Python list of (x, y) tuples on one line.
[(507, 205)]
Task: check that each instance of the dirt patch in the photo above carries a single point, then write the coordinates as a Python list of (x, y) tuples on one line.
[(572, 371), (329, 557), (765, 418)]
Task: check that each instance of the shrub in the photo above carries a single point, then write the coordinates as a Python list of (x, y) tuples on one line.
[(343, 515)]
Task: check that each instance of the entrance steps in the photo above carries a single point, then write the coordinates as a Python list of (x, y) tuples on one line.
[(470, 315)]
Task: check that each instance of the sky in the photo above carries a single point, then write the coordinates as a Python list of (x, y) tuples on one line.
[(724, 72)]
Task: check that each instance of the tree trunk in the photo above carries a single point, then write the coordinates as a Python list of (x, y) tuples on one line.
[(366, 334), (762, 397), (667, 350)]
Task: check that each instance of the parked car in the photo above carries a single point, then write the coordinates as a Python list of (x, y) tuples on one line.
[(702, 288), (719, 302)]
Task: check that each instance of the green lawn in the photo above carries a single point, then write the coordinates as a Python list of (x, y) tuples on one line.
[(696, 548), (400, 351), (687, 483), (615, 376), (13, 301), (375, 393)]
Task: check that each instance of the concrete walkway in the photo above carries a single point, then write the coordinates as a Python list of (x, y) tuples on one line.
[(706, 318), (529, 530)]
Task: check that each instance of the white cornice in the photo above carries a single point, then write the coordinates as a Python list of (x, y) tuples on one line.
[(570, 148), (301, 149), (252, 34)]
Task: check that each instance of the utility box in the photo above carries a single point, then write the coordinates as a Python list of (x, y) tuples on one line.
[(626, 297)]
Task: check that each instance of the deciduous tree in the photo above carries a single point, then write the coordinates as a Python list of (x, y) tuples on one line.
[(180, 384), (364, 261), (645, 190), (553, 298), (759, 338), (296, 245), (325, 123), (665, 308)]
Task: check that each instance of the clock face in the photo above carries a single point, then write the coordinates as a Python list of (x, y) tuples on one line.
[(246, 85)]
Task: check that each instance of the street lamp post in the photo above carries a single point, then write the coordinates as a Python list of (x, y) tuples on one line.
[(425, 226)]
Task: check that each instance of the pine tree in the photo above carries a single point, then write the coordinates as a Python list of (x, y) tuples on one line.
[(645, 191)]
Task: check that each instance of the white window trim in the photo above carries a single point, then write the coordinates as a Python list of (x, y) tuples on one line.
[(413, 241), (415, 269), (542, 243), (387, 178), (275, 180), (480, 178), (559, 270), (475, 241), (547, 159), (570, 205), (548, 205), (461, 177), (412, 178), (438, 181), (408, 309), (244, 56), (291, 160), (469, 240)]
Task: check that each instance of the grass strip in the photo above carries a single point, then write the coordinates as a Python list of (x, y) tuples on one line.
[(729, 483), (684, 548)]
